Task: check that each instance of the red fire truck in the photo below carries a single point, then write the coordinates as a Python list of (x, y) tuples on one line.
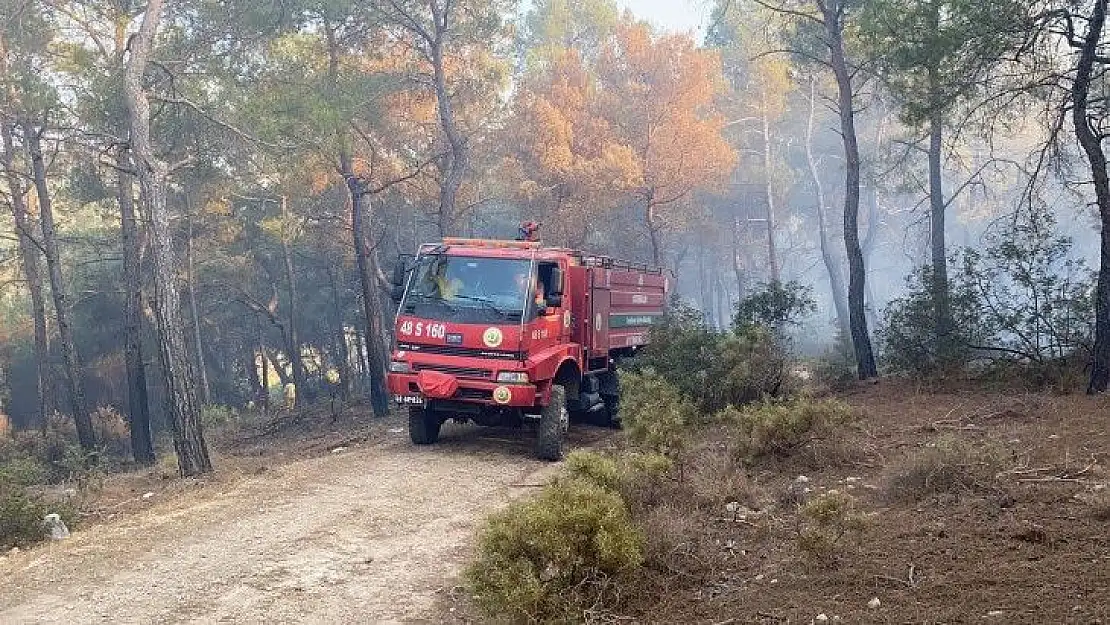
[(514, 333)]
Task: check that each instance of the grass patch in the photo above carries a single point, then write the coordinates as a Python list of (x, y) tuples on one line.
[(946, 466), (782, 429)]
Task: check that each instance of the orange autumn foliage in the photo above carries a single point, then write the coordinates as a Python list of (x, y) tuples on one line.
[(641, 127)]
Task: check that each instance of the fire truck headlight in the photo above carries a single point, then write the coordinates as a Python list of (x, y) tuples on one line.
[(512, 377), (399, 366)]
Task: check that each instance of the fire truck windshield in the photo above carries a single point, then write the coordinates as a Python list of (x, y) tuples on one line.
[(467, 289)]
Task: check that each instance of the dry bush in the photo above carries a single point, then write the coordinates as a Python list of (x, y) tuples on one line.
[(556, 556), (825, 523), (784, 429), (113, 434), (715, 478), (674, 540), (946, 466)]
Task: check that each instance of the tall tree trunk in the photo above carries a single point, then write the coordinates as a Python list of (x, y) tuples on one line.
[(769, 196), (29, 256), (294, 343), (1092, 146), (460, 152), (939, 287), (832, 266), (375, 351), (345, 371), (138, 402), (194, 310), (832, 14), (184, 405), (653, 229), (81, 418), (738, 260)]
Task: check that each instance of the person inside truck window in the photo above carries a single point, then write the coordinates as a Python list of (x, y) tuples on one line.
[(446, 287), (524, 285)]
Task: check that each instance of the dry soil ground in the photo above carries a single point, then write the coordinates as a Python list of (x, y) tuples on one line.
[(292, 531), (1031, 545), (370, 529)]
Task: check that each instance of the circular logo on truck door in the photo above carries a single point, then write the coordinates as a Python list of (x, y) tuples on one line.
[(492, 337), (502, 395)]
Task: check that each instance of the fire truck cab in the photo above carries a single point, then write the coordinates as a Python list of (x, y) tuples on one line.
[(513, 333)]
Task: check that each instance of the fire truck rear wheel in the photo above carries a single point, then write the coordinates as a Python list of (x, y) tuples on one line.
[(423, 426), (554, 421)]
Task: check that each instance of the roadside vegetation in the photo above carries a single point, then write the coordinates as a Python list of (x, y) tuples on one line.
[(739, 490)]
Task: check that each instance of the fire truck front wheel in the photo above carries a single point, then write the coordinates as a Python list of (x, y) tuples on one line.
[(423, 426), (554, 421)]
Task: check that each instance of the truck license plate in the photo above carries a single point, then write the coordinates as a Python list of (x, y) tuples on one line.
[(409, 400)]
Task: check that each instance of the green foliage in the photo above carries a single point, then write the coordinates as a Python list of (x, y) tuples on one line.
[(907, 337), (654, 412), (954, 47), (1033, 294), (21, 508), (780, 429), (947, 465), (549, 558), (636, 477), (824, 522), (1024, 298), (710, 369), (748, 366), (774, 306)]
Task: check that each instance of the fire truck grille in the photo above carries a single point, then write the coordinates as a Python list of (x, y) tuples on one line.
[(462, 372), (451, 350)]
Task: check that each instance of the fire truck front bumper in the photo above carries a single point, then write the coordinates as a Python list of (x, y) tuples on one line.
[(406, 391)]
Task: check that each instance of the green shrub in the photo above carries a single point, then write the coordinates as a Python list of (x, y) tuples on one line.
[(774, 306), (748, 367), (21, 508), (823, 524), (654, 412), (637, 477), (945, 466), (549, 558), (780, 429), (713, 370)]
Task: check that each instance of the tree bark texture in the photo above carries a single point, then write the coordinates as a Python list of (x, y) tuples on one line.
[(86, 436), (1092, 147), (29, 257), (194, 310), (460, 151), (184, 405), (769, 195), (832, 265), (832, 13), (939, 274), (294, 344), (138, 401), (375, 351)]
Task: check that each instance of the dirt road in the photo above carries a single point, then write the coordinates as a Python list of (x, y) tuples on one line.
[(369, 534)]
